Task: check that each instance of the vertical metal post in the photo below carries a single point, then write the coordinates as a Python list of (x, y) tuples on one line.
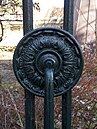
[(67, 97), (29, 97), (29, 110), (66, 110), (68, 15), (49, 100), (27, 15)]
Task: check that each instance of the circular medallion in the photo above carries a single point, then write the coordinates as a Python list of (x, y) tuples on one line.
[(44, 47)]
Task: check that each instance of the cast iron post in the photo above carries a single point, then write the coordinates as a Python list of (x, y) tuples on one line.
[(48, 62), (29, 97), (67, 97)]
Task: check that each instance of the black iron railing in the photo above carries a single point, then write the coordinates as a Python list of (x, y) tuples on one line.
[(48, 62)]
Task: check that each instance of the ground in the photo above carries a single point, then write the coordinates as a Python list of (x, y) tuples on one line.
[(6, 70), (11, 93), (84, 107)]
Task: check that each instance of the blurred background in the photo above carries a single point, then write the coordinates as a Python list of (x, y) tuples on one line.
[(48, 13)]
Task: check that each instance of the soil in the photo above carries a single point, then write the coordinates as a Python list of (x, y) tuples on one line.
[(7, 76), (84, 106)]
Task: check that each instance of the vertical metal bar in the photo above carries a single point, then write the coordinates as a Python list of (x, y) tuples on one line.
[(27, 15), (66, 110), (67, 97), (29, 110), (49, 100), (68, 15), (29, 97)]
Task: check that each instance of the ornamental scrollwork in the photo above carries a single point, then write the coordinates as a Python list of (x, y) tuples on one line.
[(48, 42)]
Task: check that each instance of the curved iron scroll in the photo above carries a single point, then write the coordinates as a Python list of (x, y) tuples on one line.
[(1, 35), (52, 45)]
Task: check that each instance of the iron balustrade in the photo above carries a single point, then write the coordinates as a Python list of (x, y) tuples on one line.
[(48, 62)]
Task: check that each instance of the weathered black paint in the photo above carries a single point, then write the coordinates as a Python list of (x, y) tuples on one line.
[(49, 98), (48, 62), (67, 97), (29, 98), (42, 45)]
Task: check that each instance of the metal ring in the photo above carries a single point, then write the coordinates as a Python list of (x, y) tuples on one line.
[(41, 45)]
